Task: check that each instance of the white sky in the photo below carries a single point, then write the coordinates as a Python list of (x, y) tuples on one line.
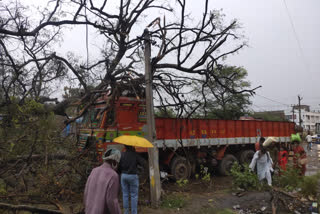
[(273, 58)]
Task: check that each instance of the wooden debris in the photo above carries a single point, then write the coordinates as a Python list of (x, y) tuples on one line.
[(289, 201)]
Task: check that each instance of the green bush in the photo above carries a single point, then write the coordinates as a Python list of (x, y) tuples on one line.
[(174, 201), (309, 185), (243, 177), (289, 179)]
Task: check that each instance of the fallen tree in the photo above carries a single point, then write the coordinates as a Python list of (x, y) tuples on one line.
[(32, 209)]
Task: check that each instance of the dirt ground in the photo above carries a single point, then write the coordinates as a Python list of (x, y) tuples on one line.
[(217, 198), (220, 198)]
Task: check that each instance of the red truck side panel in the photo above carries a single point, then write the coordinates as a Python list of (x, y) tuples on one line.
[(197, 129), (213, 132), (239, 128), (252, 129), (246, 130)]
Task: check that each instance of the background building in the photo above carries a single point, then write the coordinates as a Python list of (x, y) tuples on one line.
[(308, 118)]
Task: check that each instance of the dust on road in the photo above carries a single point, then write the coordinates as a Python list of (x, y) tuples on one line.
[(313, 165)]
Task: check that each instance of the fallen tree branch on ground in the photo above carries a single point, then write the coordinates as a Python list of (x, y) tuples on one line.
[(27, 208), (289, 201)]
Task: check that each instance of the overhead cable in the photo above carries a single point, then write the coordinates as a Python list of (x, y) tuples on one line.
[(273, 100), (296, 37)]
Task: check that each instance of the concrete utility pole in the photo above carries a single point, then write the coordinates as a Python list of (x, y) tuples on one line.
[(153, 153), (292, 113), (299, 103)]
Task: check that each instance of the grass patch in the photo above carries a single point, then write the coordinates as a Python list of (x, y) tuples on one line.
[(309, 185), (213, 210), (174, 201)]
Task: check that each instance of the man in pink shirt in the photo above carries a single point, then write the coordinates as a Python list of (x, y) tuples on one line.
[(102, 187)]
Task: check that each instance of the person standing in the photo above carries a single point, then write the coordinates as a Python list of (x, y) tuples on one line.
[(129, 179), (102, 187), (309, 141), (283, 157), (263, 161), (299, 157)]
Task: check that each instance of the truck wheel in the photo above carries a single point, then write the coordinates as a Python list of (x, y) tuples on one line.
[(143, 172), (180, 168), (246, 156), (226, 164)]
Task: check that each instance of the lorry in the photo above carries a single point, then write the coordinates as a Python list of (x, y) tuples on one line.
[(184, 144)]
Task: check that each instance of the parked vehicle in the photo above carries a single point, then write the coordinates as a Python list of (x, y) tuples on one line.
[(184, 144), (316, 138)]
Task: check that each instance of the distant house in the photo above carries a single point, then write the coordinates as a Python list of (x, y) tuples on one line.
[(246, 117), (308, 118)]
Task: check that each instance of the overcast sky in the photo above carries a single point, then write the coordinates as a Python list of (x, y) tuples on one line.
[(273, 59)]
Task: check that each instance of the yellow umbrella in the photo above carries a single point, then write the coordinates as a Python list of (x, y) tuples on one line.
[(132, 140)]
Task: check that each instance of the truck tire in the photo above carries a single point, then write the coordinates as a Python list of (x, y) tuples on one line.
[(246, 156), (180, 168), (226, 164)]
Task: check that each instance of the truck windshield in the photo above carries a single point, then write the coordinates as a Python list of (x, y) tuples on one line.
[(92, 118)]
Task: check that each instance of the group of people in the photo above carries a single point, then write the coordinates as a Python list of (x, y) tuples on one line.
[(102, 187), (270, 155)]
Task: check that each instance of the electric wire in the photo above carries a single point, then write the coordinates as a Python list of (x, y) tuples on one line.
[(259, 107), (296, 37), (273, 100)]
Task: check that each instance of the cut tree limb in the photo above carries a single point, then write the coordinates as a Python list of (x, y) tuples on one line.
[(27, 208)]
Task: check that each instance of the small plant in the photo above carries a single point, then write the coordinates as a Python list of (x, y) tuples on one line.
[(309, 185), (243, 177), (182, 182), (206, 177), (197, 176), (174, 201), (204, 174), (288, 179)]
